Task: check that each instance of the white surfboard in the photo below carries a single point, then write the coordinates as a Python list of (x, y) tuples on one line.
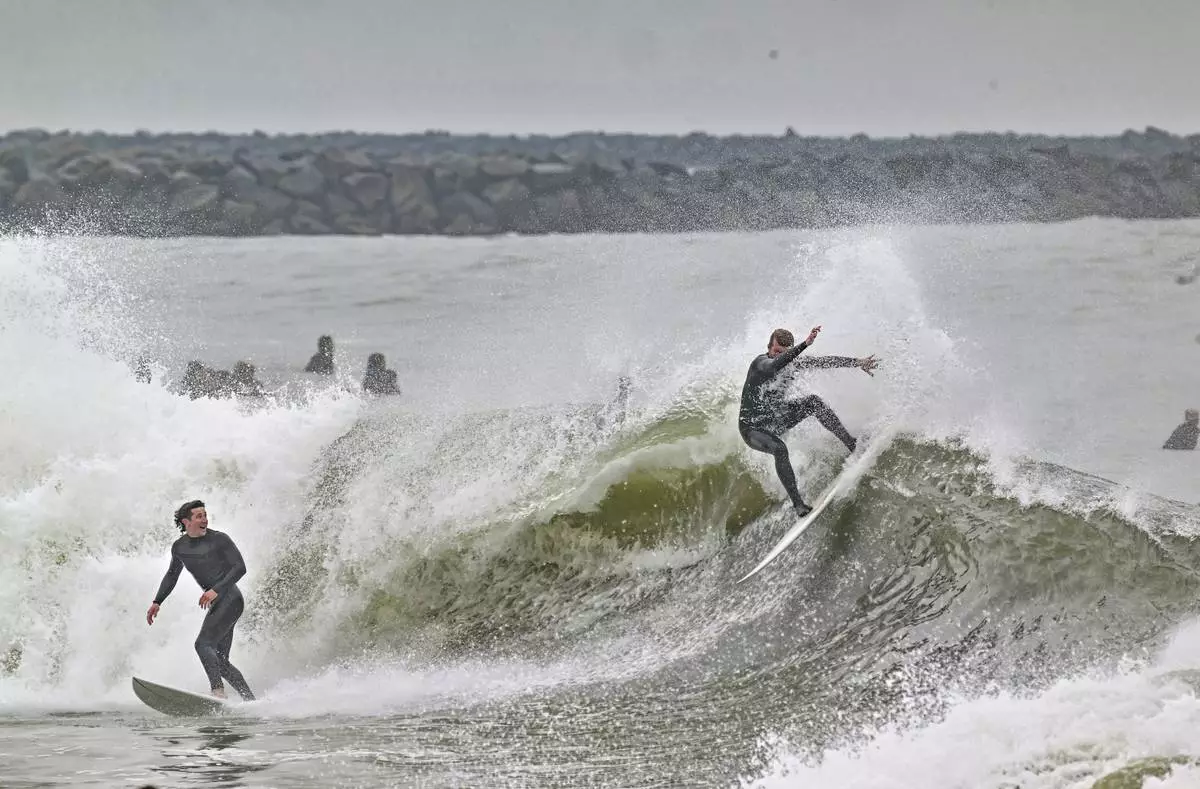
[(172, 701), (841, 484)]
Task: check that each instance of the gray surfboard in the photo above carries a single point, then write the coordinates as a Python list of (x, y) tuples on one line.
[(172, 701)]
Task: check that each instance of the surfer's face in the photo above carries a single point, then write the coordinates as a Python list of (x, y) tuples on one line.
[(197, 523)]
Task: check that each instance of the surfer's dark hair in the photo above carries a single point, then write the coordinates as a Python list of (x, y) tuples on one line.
[(783, 337), (185, 511)]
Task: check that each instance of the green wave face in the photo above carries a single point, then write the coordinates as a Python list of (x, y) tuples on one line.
[(629, 530)]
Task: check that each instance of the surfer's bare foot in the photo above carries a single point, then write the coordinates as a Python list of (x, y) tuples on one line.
[(219, 692), (802, 509)]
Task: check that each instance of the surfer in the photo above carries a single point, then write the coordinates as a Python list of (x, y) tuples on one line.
[(1184, 436), (765, 415), (216, 564), (321, 362)]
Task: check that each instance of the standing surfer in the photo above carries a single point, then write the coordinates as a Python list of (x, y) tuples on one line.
[(216, 564)]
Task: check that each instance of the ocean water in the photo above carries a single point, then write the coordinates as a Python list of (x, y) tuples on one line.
[(500, 578)]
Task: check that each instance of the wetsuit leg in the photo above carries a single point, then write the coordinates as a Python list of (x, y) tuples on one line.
[(812, 405), (230, 671), (216, 633), (763, 441)]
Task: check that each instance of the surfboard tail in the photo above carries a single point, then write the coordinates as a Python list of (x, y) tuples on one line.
[(864, 455), (787, 539)]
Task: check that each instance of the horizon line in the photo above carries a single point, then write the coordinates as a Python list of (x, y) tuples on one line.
[(788, 132)]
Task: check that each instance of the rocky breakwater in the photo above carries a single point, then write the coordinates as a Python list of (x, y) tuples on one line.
[(257, 185)]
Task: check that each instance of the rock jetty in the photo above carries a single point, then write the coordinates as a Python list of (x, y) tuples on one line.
[(436, 183)]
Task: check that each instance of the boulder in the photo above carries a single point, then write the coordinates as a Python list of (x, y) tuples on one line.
[(548, 177), (238, 182), (463, 213), (412, 203), (336, 204), (271, 202), (8, 190), (503, 166), (505, 192), (373, 223), (561, 212), (38, 192), (336, 164), (196, 199), (237, 218), (211, 168), (183, 181), (454, 173), (303, 181), (15, 165), (308, 220), (367, 189), (268, 168)]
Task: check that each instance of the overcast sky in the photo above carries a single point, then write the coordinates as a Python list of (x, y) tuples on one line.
[(885, 67)]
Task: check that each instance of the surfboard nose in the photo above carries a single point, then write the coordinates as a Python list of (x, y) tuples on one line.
[(173, 701)]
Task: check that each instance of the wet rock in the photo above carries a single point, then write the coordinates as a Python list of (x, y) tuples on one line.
[(464, 214), (304, 182), (476, 185), (413, 206), (367, 189)]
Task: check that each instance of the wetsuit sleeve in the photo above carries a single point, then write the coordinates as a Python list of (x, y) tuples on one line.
[(236, 567), (170, 579), (1180, 439), (828, 361), (770, 367)]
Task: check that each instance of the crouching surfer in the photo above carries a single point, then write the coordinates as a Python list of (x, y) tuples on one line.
[(765, 414)]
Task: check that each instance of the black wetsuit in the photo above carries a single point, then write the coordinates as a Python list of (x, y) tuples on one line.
[(765, 414), (215, 562), (1184, 436), (320, 363)]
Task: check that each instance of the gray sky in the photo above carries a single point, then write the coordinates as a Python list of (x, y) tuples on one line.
[(885, 67)]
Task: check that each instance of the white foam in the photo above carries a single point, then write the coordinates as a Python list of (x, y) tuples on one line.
[(94, 464), (1066, 737)]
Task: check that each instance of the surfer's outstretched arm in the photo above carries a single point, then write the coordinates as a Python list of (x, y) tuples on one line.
[(829, 361), (169, 580), (867, 364)]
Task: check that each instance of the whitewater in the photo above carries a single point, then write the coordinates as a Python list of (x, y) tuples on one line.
[(506, 576)]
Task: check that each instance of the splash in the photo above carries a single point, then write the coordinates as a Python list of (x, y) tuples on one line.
[(554, 539), (1076, 733), (94, 463)]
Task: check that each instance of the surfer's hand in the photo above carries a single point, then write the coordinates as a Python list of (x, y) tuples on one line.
[(812, 335), (207, 598), (153, 612), (868, 364)]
